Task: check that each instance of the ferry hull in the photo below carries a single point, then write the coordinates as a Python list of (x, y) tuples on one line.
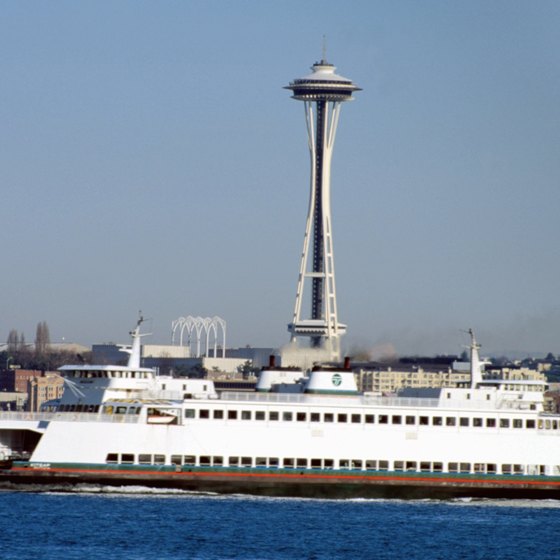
[(296, 484)]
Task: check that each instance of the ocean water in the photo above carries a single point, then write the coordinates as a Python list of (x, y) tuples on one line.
[(138, 524)]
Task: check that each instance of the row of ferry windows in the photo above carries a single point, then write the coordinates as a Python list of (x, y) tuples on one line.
[(328, 417), (328, 464)]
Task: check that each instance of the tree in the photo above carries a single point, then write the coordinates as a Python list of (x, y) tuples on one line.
[(13, 341), (42, 338)]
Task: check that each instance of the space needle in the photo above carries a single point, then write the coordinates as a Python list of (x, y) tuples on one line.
[(322, 92)]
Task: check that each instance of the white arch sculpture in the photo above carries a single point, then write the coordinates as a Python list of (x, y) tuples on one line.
[(200, 326)]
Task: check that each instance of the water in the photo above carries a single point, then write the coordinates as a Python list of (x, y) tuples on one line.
[(141, 524)]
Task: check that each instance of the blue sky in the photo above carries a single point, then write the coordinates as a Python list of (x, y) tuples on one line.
[(150, 159)]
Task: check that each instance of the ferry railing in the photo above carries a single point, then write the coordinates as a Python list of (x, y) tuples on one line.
[(328, 400), (69, 417), (386, 402)]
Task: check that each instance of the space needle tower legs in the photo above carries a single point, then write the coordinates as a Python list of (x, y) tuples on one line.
[(322, 93)]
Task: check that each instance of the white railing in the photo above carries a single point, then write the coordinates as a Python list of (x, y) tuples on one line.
[(329, 400), (68, 417)]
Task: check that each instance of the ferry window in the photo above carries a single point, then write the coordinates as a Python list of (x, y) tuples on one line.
[(159, 459), (518, 469), (217, 461), (450, 421), (246, 461), (410, 466), (517, 423), (112, 458), (273, 462), (479, 467), (204, 461), (131, 410), (357, 464), (369, 418), (477, 422), (234, 461), (273, 416), (468, 396), (463, 421), (315, 417), (108, 409), (424, 421), (342, 418), (328, 464), (288, 463), (504, 422), (437, 467), (356, 418), (398, 466), (245, 415), (259, 415), (437, 421), (316, 463), (176, 460), (530, 424), (487, 397), (453, 467), (189, 412), (204, 413), (490, 422), (383, 465), (396, 419), (301, 463), (410, 420), (218, 414), (425, 466), (328, 417), (465, 467), (343, 463), (491, 468), (506, 469), (371, 465), (260, 462), (301, 416), (127, 458), (144, 459), (383, 419), (287, 416), (232, 414), (448, 395)]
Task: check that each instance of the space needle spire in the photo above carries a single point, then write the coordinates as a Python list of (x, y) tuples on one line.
[(322, 92)]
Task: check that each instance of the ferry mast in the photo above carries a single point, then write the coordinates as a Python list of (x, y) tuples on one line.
[(322, 92)]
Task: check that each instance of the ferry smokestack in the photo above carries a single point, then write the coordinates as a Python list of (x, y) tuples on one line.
[(272, 361)]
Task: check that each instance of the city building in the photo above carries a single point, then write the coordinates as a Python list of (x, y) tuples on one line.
[(43, 389)]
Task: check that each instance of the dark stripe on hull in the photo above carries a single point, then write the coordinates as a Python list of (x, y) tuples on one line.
[(296, 483)]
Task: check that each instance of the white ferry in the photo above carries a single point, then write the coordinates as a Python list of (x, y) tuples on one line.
[(299, 434)]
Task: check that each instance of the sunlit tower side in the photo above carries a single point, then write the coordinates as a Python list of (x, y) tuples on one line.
[(322, 92)]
